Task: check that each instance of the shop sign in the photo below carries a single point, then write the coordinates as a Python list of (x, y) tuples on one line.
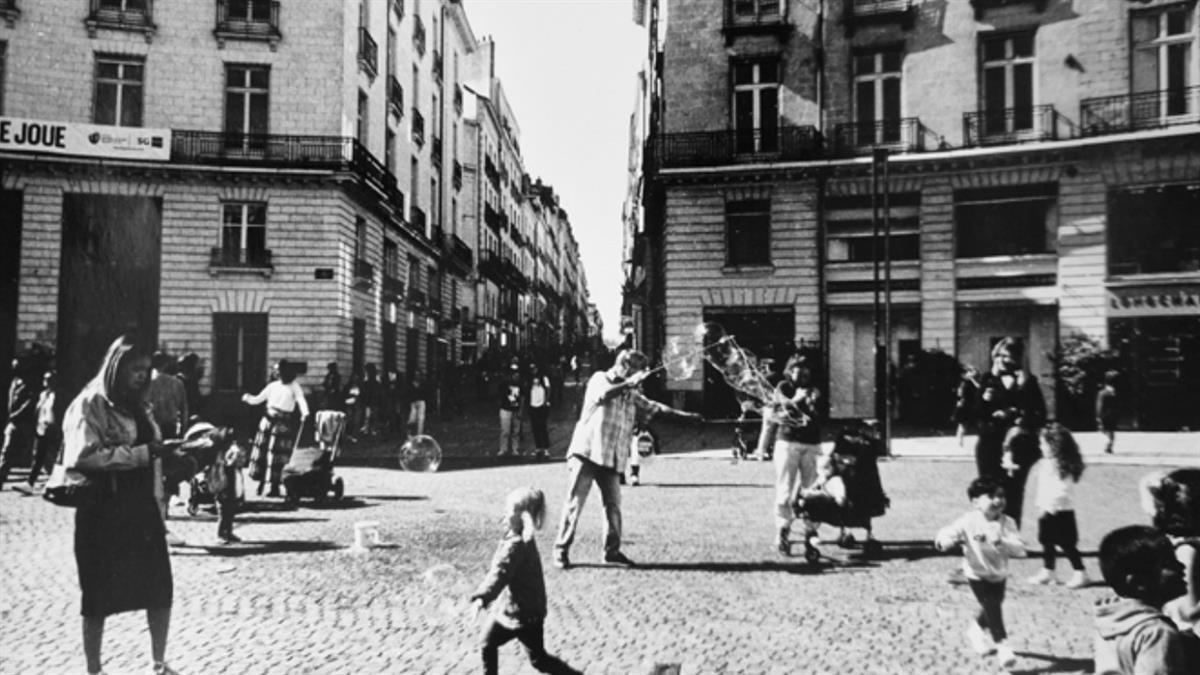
[(1154, 301), (90, 140)]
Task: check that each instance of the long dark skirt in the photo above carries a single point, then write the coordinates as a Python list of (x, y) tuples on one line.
[(121, 548), (273, 447)]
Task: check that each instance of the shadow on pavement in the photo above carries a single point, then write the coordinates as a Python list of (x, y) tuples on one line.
[(1058, 664), (344, 504), (790, 567), (394, 498), (267, 547), (898, 550), (756, 486)]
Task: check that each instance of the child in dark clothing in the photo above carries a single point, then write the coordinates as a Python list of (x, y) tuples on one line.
[(517, 566), (1132, 634)]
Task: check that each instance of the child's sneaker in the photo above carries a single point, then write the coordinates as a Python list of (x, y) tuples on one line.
[(981, 642), (1078, 580), (1005, 656), (1043, 577)]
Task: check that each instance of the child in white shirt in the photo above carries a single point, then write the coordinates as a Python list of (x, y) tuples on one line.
[(1057, 475), (988, 538)]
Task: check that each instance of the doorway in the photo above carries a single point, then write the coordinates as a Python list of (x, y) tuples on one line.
[(765, 332)]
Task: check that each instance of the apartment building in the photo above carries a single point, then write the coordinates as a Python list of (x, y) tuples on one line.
[(1026, 168), (248, 180)]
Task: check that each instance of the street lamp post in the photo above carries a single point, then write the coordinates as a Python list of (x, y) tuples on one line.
[(882, 318)]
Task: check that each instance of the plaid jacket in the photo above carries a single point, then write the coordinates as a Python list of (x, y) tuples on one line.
[(605, 429)]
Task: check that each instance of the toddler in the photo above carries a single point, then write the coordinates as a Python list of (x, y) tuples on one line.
[(1132, 634), (988, 538), (1057, 475), (517, 568)]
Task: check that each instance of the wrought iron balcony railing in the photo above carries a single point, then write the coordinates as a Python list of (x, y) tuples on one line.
[(240, 258), (129, 15), (456, 175), (713, 148), (247, 21), (899, 135), (418, 127), (755, 17), (364, 272), (416, 219), (437, 65), (1014, 125), (489, 170), (10, 12), (419, 35), (858, 12), (1145, 110), (435, 151), (368, 52), (491, 217), (395, 94), (393, 289), (458, 99), (461, 252)]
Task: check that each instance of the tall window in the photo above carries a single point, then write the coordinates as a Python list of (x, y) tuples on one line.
[(3, 70), (360, 238), (435, 213), (246, 106), (1164, 61), (363, 116), (1153, 229), (391, 260), (1007, 65), (239, 351), (250, 11), (124, 5), (389, 150), (414, 181), (755, 11), (119, 91), (413, 279), (243, 232), (877, 96), (1013, 220), (756, 105), (748, 232)]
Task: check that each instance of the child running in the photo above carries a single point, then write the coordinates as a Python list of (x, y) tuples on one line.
[(517, 566), (988, 538), (1057, 475)]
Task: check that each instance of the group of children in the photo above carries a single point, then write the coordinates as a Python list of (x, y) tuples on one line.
[(1150, 626)]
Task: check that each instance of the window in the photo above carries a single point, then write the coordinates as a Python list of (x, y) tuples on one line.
[(250, 11), (3, 70), (1007, 77), (363, 117), (1006, 221), (756, 105), (391, 260), (239, 351), (360, 238), (854, 240), (435, 215), (1164, 61), (387, 331), (389, 150), (358, 345), (1153, 230), (414, 181), (748, 232), (413, 282), (244, 232), (756, 11), (246, 106), (119, 91), (124, 5), (877, 96)]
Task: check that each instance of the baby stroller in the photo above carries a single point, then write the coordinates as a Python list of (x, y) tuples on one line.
[(309, 473), (848, 492), (210, 446)]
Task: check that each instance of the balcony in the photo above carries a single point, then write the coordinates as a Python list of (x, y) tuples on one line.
[(395, 97), (489, 170), (434, 300), (1134, 112), (364, 273), (460, 253), (10, 12), (491, 266), (135, 16), (860, 12), (416, 220), (437, 65), (981, 6), (755, 17), (419, 35), (393, 289), (898, 135), (241, 20), (416, 298), (240, 260), (716, 148), (1014, 125), (368, 52), (418, 127), (435, 151), (458, 99), (491, 217), (456, 175)]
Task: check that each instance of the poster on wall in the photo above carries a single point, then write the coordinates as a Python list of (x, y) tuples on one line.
[(87, 140)]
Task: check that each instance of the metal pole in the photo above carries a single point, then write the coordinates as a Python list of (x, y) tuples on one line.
[(887, 302), (880, 396)]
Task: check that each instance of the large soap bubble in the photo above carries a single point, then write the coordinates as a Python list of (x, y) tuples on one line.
[(420, 453)]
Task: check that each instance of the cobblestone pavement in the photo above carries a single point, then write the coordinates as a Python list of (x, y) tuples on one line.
[(710, 593)]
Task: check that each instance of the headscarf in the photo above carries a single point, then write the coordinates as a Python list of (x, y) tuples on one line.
[(119, 352)]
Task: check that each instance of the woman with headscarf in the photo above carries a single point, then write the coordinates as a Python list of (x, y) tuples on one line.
[(120, 545), (280, 425)]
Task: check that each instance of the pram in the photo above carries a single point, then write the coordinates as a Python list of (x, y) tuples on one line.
[(209, 446), (309, 473), (849, 492)]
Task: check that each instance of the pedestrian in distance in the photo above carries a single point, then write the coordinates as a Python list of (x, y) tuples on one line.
[(1057, 475), (1108, 409), (988, 538), (331, 388), (110, 436), (372, 395), (964, 406), (1133, 636), (190, 371), (794, 415), (538, 395), (286, 411), (599, 450), (48, 430), (511, 393), (22, 416), (418, 393), (353, 401), (517, 568)]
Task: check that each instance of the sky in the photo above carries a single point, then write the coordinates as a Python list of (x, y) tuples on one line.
[(569, 69)]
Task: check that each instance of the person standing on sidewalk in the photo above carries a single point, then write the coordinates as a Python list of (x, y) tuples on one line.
[(1107, 409), (1011, 411), (539, 394), (510, 410), (794, 413), (418, 392), (277, 431), (48, 431), (167, 397), (22, 416), (599, 450)]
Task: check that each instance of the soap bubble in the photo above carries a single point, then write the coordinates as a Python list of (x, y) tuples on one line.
[(420, 453), (679, 363)]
